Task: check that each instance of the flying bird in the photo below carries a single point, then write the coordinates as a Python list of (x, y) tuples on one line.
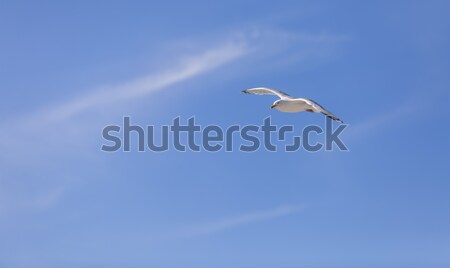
[(290, 104)]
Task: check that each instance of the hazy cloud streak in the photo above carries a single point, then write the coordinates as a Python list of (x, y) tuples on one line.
[(187, 68), (247, 218)]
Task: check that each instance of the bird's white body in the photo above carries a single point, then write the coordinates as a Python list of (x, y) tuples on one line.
[(289, 104)]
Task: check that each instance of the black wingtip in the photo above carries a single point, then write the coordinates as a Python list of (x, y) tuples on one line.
[(244, 91), (335, 119)]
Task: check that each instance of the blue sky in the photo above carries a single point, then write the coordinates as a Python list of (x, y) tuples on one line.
[(69, 69)]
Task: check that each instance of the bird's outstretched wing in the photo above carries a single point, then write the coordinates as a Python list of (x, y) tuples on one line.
[(315, 107), (267, 91)]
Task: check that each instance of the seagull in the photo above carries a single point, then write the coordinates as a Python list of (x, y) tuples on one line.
[(290, 104)]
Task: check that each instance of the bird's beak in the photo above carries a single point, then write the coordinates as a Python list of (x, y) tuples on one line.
[(273, 106)]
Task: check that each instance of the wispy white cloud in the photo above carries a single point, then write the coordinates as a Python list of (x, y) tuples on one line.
[(360, 130), (243, 219), (41, 139), (16, 198), (36, 141), (188, 67), (264, 45), (38, 124)]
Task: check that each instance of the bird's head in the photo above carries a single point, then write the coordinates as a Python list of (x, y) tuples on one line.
[(275, 104)]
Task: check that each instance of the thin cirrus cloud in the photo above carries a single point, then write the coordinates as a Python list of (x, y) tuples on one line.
[(37, 141), (235, 48), (241, 220), (268, 44), (56, 124), (55, 131), (379, 121), (190, 67)]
